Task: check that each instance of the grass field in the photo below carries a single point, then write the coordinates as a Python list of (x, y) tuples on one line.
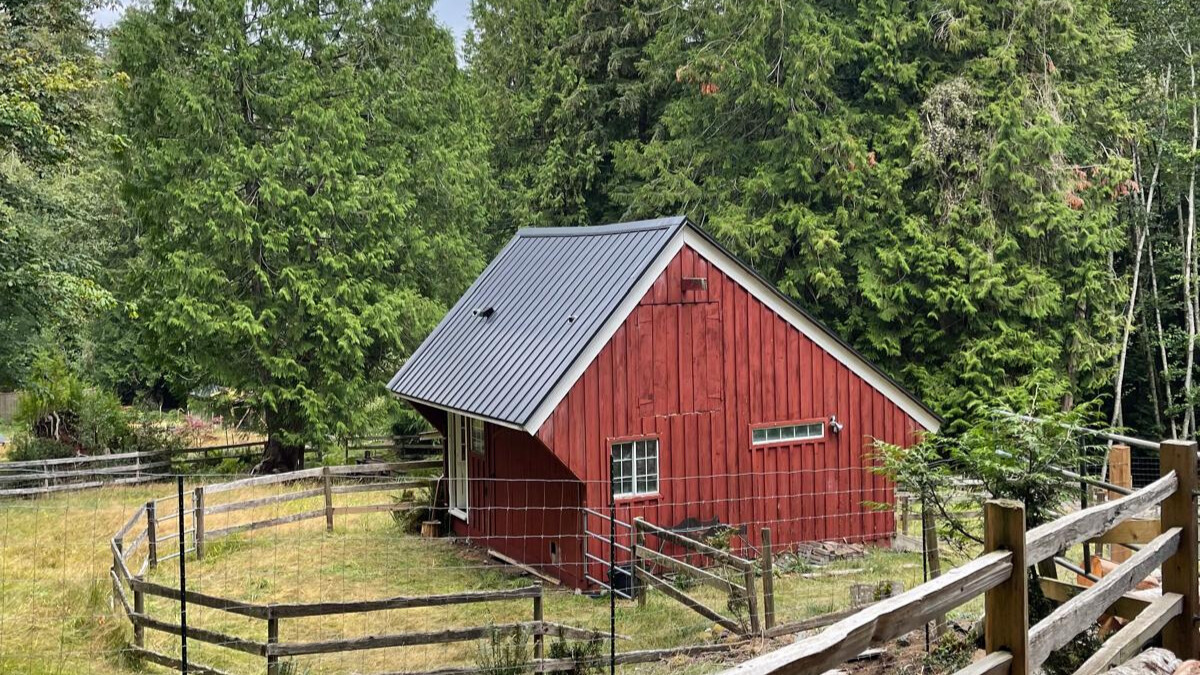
[(55, 615)]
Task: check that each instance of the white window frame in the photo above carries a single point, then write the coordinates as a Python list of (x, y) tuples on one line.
[(478, 435), (639, 462), (791, 432), (459, 439)]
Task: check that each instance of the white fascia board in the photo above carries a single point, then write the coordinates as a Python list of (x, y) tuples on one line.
[(820, 337), (606, 333)]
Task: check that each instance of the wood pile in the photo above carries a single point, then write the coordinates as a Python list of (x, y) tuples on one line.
[(823, 552)]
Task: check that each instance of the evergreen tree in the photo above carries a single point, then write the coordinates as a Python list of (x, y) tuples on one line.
[(308, 183), (932, 179), (561, 84)]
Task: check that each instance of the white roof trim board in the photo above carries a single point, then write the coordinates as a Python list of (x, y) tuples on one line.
[(503, 397)]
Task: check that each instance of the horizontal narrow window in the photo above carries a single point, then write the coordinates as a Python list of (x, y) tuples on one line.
[(787, 433)]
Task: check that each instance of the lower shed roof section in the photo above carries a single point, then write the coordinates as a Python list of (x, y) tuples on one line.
[(526, 320)]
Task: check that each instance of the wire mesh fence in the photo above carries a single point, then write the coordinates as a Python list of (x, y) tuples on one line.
[(374, 567), (337, 570)]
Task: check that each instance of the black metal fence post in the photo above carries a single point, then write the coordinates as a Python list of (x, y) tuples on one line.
[(183, 655)]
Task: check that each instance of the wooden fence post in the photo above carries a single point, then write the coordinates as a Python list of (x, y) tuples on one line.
[(197, 521), (1179, 571), (151, 534), (328, 499), (768, 572), (139, 608), (1120, 473), (538, 618), (642, 590), (272, 638), (1006, 607), (929, 550), (118, 551), (752, 599)]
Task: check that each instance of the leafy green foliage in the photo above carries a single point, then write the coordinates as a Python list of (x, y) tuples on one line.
[(309, 189), (52, 206), (26, 447), (1010, 458), (561, 85), (52, 387), (584, 653)]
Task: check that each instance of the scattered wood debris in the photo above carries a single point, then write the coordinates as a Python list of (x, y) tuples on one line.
[(823, 552)]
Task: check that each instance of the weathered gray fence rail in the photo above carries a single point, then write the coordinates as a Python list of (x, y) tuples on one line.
[(39, 477), (135, 545)]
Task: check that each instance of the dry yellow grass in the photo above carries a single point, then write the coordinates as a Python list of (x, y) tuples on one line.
[(55, 617)]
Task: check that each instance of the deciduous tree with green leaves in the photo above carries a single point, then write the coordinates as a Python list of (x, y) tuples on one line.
[(308, 183), (52, 206)]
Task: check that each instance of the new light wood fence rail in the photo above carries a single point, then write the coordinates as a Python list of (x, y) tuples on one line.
[(1000, 574)]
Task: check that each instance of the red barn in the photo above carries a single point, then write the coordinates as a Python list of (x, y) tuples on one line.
[(718, 400)]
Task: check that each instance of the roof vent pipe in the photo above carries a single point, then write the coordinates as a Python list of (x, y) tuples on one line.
[(484, 312)]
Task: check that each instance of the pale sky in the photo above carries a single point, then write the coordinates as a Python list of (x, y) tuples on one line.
[(454, 14)]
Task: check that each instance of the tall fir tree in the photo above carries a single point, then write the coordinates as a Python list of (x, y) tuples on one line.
[(308, 181), (561, 85), (932, 179)]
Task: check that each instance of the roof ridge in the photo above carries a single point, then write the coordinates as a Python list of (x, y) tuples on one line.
[(600, 230)]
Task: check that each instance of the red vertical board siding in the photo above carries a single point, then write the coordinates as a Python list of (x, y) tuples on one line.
[(534, 500), (853, 433), (698, 370), (845, 462)]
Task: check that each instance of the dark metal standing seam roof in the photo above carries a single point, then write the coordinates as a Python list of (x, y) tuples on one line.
[(551, 290)]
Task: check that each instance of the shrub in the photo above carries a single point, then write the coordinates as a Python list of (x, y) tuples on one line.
[(103, 426), (26, 447), (585, 655), (505, 654), (51, 388)]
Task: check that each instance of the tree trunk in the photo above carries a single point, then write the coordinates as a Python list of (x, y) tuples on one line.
[(280, 456), (1162, 342), (1118, 417), (1152, 376), (1189, 420)]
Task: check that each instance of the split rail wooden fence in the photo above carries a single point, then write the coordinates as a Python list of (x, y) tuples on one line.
[(40, 477), (1000, 575), (740, 586), (150, 537)]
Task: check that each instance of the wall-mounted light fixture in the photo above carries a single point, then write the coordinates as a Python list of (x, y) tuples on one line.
[(834, 425)]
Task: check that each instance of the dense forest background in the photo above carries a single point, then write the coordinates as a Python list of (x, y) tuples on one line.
[(993, 200)]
